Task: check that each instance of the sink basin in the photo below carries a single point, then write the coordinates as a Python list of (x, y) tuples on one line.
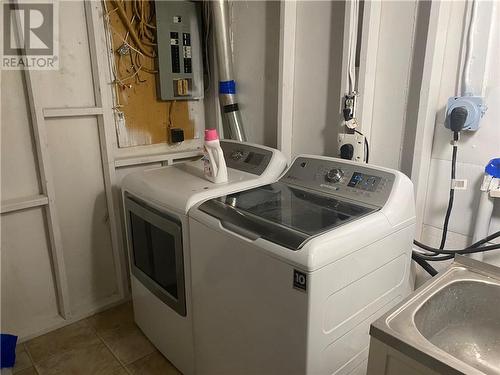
[(463, 319), (452, 322)]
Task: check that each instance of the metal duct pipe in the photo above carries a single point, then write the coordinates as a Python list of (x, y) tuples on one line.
[(231, 116)]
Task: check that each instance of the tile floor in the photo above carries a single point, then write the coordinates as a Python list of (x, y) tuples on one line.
[(108, 343)]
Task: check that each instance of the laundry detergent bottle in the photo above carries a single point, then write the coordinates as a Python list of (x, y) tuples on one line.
[(214, 163)]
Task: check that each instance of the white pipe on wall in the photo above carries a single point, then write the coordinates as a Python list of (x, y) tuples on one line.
[(483, 218)]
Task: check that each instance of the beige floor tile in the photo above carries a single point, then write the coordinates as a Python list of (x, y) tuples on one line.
[(117, 329), (20, 348), (23, 360), (73, 337), (28, 371), (127, 342), (153, 364), (95, 360), (113, 318), (119, 371)]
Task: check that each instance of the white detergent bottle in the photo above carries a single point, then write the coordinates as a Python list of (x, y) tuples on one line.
[(214, 163)]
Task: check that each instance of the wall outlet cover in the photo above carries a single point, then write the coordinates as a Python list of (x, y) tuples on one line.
[(358, 143), (475, 106)]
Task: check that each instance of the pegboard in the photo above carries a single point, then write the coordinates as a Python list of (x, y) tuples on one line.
[(141, 119)]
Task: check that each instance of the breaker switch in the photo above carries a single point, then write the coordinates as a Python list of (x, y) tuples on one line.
[(181, 87)]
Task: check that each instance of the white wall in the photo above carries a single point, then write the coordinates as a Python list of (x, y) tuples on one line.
[(475, 149), (318, 66), (394, 61), (255, 38)]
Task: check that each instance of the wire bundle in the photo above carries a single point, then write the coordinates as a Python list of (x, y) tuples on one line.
[(139, 42)]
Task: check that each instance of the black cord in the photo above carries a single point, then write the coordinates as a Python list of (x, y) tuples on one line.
[(470, 250), (367, 146), (367, 151), (475, 245), (450, 254), (432, 258), (452, 192), (426, 266), (457, 119)]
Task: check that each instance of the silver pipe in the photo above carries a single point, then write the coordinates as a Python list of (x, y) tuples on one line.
[(231, 117)]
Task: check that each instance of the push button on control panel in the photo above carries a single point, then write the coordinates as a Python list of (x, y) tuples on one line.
[(236, 155)]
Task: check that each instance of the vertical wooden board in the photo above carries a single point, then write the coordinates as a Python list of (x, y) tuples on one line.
[(28, 293), (146, 119), (71, 85), (81, 206), (19, 171)]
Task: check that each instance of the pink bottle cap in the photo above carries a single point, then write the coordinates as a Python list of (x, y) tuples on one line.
[(211, 134)]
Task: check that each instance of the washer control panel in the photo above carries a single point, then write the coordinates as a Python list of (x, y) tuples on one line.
[(361, 182), (246, 158)]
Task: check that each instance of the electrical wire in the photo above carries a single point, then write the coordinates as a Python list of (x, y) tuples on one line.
[(170, 110), (437, 255), (449, 251), (432, 258), (124, 18), (426, 266), (367, 146), (207, 29), (441, 254), (451, 195), (353, 36), (468, 250)]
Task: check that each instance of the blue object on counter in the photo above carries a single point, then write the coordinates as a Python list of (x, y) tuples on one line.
[(227, 87), (7, 350), (493, 168)]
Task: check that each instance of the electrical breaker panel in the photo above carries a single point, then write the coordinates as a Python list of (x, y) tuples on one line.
[(180, 68)]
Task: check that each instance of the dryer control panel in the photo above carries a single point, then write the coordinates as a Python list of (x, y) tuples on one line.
[(246, 158), (362, 183)]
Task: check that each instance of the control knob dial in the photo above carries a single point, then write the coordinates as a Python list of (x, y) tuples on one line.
[(334, 175)]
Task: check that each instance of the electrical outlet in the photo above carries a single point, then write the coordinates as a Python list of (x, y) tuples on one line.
[(475, 110), (353, 144)]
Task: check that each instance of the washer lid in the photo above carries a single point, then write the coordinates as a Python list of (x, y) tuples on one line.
[(282, 214)]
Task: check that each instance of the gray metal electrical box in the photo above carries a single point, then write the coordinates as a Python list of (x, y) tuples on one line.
[(180, 68)]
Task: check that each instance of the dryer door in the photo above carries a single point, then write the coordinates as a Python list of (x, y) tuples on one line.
[(155, 251)]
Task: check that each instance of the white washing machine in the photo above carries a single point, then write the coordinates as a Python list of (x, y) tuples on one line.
[(156, 202), (287, 277)]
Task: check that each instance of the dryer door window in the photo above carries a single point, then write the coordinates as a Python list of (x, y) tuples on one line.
[(156, 256)]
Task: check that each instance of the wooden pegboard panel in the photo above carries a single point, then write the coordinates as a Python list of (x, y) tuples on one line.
[(143, 120)]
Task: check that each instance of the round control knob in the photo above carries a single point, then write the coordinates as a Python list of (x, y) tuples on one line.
[(334, 175), (236, 155)]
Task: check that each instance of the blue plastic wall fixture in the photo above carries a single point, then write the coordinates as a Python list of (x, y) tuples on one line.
[(493, 168), (7, 350), (475, 107)]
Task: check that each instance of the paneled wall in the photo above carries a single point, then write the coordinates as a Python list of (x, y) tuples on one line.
[(29, 303), (475, 148)]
